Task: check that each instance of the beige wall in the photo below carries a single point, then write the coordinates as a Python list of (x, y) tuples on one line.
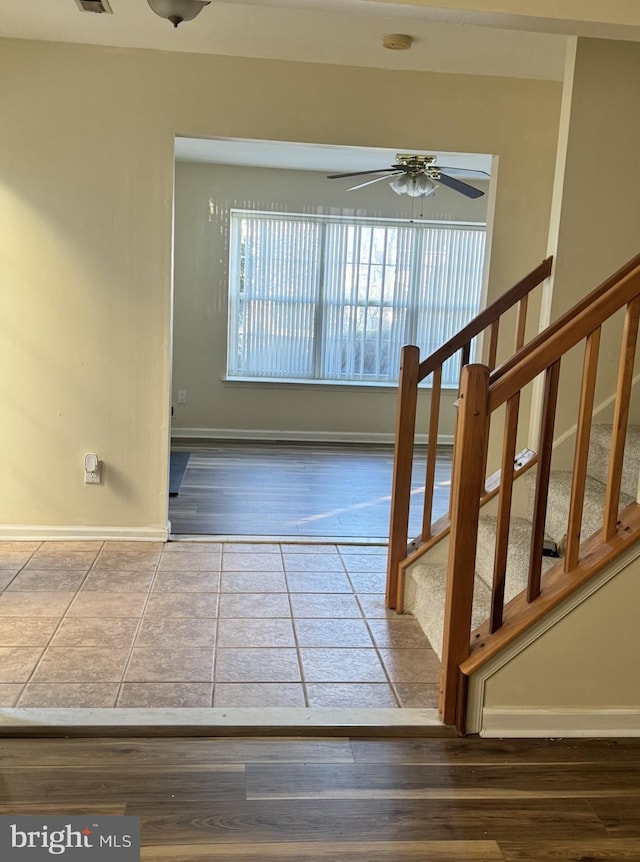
[(86, 187), (204, 196), (596, 225), (588, 661)]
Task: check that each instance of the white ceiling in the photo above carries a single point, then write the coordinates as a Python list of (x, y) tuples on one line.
[(347, 32), (514, 38)]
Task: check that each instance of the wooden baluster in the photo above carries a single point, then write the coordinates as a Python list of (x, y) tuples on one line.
[(504, 512), (521, 322), (467, 484), (581, 455), (432, 453), (545, 448), (493, 344), (402, 468), (465, 355), (621, 417)]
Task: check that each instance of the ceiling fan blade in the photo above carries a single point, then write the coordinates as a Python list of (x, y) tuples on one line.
[(375, 180), (459, 186), (466, 170), (360, 173)]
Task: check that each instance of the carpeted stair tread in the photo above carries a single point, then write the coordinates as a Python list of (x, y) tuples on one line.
[(599, 451), (559, 499), (517, 554), (428, 607)]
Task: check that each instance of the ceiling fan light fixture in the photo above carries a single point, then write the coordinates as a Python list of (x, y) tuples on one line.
[(400, 184), (414, 185), (178, 11)]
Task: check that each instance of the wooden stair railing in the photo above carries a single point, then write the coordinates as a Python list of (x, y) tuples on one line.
[(481, 394), (412, 372)]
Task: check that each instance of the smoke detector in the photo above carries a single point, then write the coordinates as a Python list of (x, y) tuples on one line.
[(94, 6), (397, 42)]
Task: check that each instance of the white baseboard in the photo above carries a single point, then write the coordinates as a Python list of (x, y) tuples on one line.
[(299, 436), (547, 723), (37, 533)]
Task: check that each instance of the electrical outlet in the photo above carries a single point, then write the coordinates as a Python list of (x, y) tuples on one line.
[(182, 396), (92, 469)]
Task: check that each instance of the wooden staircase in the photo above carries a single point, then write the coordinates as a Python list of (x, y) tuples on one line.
[(478, 578)]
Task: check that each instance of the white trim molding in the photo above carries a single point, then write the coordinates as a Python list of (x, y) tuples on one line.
[(241, 434), (38, 533), (547, 723)]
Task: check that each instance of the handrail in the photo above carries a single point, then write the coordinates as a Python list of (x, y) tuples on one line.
[(412, 372), (483, 393)]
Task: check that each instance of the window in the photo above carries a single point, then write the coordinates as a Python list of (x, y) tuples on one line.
[(327, 298)]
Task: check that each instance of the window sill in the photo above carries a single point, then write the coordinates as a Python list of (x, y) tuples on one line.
[(288, 383)]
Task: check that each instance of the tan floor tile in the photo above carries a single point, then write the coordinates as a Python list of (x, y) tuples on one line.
[(268, 694), (257, 665), (301, 548), (368, 582), (17, 663), (125, 564), (192, 548), (73, 546), (341, 665), (365, 562), (400, 633), (182, 605), (81, 664), (251, 582), (332, 633), (358, 695), (323, 605), (187, 582), (118, 581), (9, 693), (352, 550), (69, 695), (189, 562), (6, 576), (26, 631), (251, 548), (96, 632), (318, 582), (51, 558), (164, 632), (312, 562), (48, 580), (35, 604), (165, 695), (256, 633), (411, 665), (253, 605), (235, 562), (17, 547), (412, 696), (178, 664), (374, 606), (253, 562), (89, 603)]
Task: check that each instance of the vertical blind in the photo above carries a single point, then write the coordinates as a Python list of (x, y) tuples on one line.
[(325, 298)]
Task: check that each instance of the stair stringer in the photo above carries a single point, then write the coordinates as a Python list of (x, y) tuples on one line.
[(543, 720)]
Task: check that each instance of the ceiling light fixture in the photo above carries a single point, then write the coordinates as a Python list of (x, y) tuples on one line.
[(416, 185), (178, 11)]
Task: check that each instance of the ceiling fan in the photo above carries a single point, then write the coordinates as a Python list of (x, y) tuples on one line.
[(416, 176)]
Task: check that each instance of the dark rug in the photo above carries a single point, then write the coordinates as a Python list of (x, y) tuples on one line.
[(177, 466)]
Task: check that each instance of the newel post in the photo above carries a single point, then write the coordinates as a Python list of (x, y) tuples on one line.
[(402, 467), (467, 484)]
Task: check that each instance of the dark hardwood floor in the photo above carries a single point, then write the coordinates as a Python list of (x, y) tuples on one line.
[(345, 800), (297, 490)]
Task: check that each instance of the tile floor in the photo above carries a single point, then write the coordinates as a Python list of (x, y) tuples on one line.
[(136, 624)]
